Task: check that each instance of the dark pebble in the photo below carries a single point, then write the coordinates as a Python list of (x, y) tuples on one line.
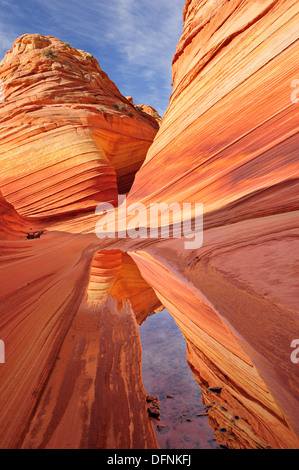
[(215, 389), (150, 398), (153, 412)]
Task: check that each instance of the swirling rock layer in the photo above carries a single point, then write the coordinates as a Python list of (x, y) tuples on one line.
[(229, 133), (228, 140), (69, 139), (87, 417)]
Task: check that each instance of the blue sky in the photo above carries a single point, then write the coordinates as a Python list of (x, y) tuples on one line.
[(133, 40)]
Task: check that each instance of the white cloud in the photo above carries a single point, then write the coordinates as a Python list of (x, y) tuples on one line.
[(134, 40), (6, 41), (143, 35), (146, 34)]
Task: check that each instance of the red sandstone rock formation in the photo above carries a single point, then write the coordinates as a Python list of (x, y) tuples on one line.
[(228, 141), (82, 414), (69, 139), (60, 342), (146, 109), (151, 111)]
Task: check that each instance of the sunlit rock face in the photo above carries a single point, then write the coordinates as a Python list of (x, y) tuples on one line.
[(69, 139), (228, 140), (93, 403), (146, 109), (68, 299), (231, 119)]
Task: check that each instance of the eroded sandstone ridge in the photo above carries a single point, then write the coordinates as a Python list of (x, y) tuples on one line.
[(229, 140), (69, 139), (68, 300)]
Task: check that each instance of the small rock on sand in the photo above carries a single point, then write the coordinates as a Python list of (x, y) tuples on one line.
[(160, 427), (153, 412), (150, 398)]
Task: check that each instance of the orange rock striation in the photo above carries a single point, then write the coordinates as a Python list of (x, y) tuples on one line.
[(228, 140), (61, 334), (75, 409), (69, 139), (232, 76), (146, 109)]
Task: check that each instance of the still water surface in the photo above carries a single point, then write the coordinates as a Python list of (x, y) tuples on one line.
[(165, 371)]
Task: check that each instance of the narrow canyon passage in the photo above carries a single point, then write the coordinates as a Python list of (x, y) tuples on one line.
[(73, 305), (83, 385)]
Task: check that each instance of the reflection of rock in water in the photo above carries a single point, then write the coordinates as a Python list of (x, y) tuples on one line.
[(69, 141), (96, 386), (237, 419), (130, 285), (219, 364)]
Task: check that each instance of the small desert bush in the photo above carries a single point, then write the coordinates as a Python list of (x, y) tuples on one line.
[(120, 106), (49, 53)]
